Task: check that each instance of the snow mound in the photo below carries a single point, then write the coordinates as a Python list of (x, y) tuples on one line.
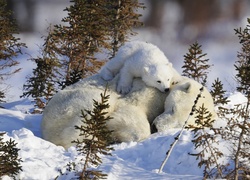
[(134, 160)]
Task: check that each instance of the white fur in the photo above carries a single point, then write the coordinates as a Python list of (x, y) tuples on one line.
[(139, 59), (132, 113), (179, 103)]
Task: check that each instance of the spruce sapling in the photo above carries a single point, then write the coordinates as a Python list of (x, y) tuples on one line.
[(10, 163), (205, 139), (40, 85), (195, 66), (237, 132), (95, 137), (218, 93), (10, 46), (123, 18), (239, 125)]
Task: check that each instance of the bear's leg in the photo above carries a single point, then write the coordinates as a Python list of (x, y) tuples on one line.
[(125, 82), (128, 123), (111, 68), (163, 122), (107, 74)]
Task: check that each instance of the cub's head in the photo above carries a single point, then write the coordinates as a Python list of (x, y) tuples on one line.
[(159, 76)]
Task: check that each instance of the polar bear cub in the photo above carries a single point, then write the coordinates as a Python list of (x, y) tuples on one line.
[(139, 59), (179, 103)]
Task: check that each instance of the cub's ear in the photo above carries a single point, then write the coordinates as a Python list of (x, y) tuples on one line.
[(146, 69), (186, 87), (149, 69), (170, 64)]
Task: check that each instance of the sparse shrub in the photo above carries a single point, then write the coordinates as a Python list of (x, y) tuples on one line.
[(2, 96), (237, 134), (242, 65), (10, 46), (70, 49), (9, 160), (123, 17), (94, 138), (237, 131), (195, 66), (41, 85), (218, 93), (206, 141)]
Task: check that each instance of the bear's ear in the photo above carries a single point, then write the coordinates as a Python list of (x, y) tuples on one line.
[(170, 64), (146, 69), (186, 87), (149, 69)]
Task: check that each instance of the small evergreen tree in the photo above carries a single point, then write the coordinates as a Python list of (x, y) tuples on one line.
[(220, 99), (9, 160), (68, 53), (242, 66), (122, 17), (237, 134), (206, 139), (237, 129), (218, 93), (42, 84), (91, 27), (83, 34), (95, 137), (10, 46), (195, 66), (2, 96)]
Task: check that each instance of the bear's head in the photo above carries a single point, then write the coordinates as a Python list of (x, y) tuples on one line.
[(158, 76)]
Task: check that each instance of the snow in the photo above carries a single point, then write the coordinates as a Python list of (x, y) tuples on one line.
[(134, 160), (43, 160)]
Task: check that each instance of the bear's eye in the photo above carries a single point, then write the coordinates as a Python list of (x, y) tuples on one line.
[(159, 82), (168, 79)]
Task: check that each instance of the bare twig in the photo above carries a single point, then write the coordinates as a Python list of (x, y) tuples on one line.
[(168, 153)]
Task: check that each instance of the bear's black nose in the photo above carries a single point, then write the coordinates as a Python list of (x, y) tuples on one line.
[(166, 90)]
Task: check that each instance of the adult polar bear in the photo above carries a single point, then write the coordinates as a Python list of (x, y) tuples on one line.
[(131, 114), (139, 59)]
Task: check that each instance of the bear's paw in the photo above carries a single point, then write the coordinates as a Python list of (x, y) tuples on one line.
[(123, 89), (106, 74)]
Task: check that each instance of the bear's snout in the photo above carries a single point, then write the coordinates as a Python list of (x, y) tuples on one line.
[(166, 90)]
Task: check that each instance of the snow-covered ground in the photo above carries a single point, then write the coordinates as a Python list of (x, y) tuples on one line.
[(43, 160), (134, 160)]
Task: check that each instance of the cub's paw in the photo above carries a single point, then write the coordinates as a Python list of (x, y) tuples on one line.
[(123, 89), (106, 75)]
